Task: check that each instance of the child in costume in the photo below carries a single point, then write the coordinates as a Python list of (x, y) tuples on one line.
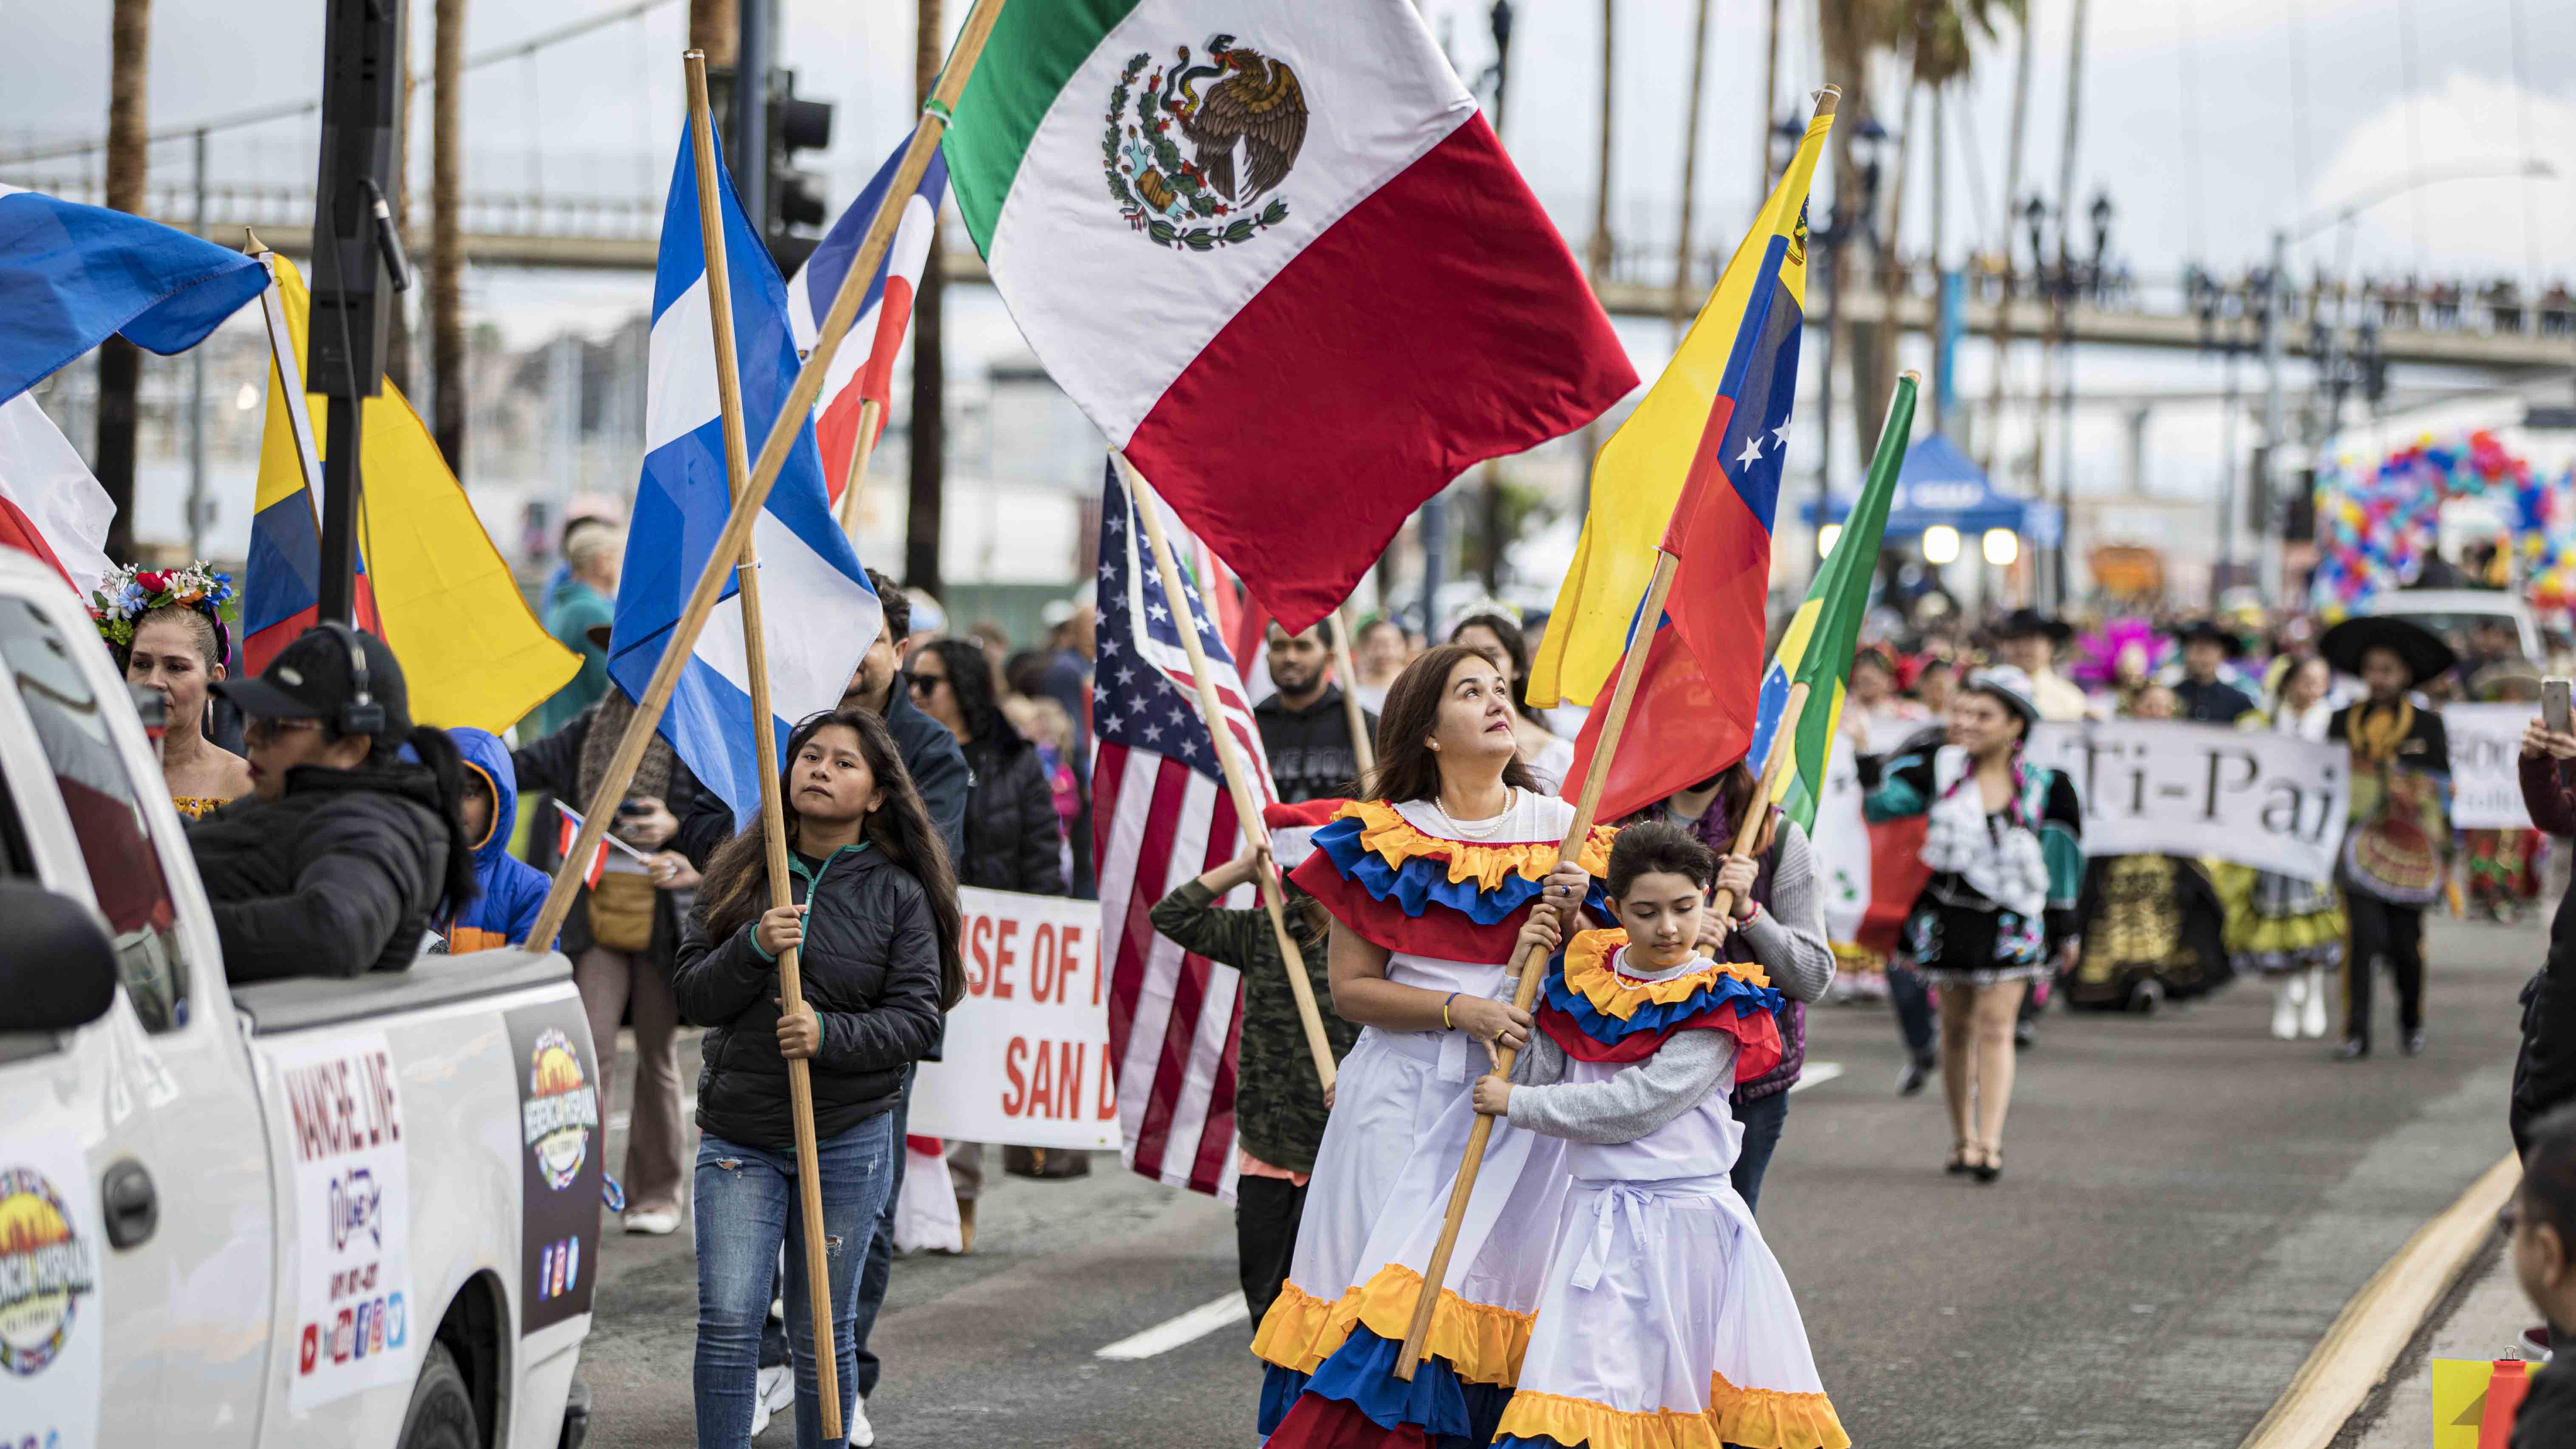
[(1665, 1320)]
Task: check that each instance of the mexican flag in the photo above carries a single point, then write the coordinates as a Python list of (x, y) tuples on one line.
[(1273, 251)]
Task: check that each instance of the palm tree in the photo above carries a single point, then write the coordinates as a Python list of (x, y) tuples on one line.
[(129, 160), (446, 235), (928, 480)]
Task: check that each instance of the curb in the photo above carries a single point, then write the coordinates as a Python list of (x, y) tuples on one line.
[(2373, 1329)]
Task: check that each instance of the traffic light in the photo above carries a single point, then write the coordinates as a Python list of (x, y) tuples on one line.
[(797, 211)]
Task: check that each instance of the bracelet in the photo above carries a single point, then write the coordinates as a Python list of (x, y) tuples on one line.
[(1445, 1023)]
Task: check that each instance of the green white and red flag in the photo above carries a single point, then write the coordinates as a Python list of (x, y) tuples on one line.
[(1273, 251)]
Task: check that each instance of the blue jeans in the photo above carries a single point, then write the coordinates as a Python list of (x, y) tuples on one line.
[(746, 1206), (1761, 1119), (1912, 1000)]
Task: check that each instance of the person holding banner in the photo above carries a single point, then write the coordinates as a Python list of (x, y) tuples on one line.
[(2289, 930), (876, 929), (2399, 837), (1428, 885), (2002, 838)]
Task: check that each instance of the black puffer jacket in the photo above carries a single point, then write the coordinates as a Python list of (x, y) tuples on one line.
[(337, 877), (870, 970), (1012, 840)]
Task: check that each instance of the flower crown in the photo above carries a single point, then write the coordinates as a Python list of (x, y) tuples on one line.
[(127, 593)]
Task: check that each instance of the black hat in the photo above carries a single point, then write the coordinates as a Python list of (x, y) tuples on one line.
[(317, 676), (2202, 629), (2424, 652), (2023, 622)]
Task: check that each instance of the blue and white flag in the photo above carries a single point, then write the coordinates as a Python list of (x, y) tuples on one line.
[(819, 614), (71, 276)]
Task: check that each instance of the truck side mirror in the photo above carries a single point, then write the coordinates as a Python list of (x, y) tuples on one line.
[(57, 967)]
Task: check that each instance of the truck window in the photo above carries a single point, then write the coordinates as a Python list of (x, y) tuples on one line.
[(103, 802)]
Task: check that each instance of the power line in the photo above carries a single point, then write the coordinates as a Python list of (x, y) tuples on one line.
[(284, 109)]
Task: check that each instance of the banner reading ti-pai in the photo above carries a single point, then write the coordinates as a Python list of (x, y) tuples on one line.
[(2164, 787), (1026, 1057)]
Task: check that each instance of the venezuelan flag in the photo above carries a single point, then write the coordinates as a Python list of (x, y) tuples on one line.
[(1825, 632), (282, 592), (1698, 465)]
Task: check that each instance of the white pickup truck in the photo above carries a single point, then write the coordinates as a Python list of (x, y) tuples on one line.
[(347, 1212)]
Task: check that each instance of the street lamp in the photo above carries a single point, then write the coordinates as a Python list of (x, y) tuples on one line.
[(2002, 546), (1940, 544), (2101, 214)]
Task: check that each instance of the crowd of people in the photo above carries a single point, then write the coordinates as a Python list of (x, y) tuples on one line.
[(1637, 1099)]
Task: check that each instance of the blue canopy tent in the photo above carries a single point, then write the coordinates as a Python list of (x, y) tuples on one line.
[(1940, 486)]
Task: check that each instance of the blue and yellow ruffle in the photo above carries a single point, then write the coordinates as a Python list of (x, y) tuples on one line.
[(1383, 878), (1595, 1016)]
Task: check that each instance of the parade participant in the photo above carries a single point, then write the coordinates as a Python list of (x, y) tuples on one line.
[(2001, 838), (2400, 820), (2544, 1070), (2288, 930), (168, 629), (1305, 727), (1279, 1107), (1936, 678), (2153, 927), (2206, 698), (2503, 867), (1778, 921), (2540, 1236), (1378, 653), (1665, 1320), (1013, 842), (1547, 754), (1427, 884), (623, 935), (509, 893), (2028, 640), (2116, 661), (876, 928), (345, 850), (1875, 716), (582, 607)]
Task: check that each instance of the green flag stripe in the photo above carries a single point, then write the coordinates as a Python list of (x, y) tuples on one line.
[(1035, 48)]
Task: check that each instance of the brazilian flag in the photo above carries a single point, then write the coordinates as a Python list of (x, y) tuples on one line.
[(1825, 632)]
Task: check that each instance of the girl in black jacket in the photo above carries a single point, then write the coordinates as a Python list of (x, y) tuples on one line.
[(1013, 841), (876, 931)]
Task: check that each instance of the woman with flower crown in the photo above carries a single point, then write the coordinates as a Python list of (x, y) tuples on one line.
[(1428, 886), (165, 625)]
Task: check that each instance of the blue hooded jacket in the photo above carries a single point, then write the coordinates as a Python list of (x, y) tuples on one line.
[(512, 891)]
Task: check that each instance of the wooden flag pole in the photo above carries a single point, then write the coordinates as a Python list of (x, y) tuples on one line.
[(773, 822), (1528, 968), (764, 472), (1247, 806), (1363, 749), (869, 411)]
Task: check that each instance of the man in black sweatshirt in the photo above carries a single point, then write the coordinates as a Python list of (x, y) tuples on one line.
[(1305, 729)]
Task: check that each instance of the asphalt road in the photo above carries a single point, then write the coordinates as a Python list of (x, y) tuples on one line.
[(2187, 1204)]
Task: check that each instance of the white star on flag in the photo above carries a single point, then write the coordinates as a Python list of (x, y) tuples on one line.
[(1752, 452), (1781, 434)]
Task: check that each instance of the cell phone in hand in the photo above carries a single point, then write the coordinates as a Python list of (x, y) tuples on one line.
[(633, 807), (2553, 704)]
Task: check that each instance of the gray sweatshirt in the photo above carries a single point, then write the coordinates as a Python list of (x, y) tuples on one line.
[(1640, 1098), (1788, 936)]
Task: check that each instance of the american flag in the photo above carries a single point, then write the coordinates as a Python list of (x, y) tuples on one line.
[(1161, 815)]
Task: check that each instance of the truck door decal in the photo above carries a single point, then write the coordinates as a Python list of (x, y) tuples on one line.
[(562, 1167), (351, 1177), (50, 1323)]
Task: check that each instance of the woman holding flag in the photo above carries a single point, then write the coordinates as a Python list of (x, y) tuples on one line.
[(2002, 837), (1428, 886)]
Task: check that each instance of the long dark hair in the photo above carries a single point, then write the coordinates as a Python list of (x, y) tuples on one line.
[(735, 890), (1516, 646), (970, 678), (436, 753), (1407, 767)]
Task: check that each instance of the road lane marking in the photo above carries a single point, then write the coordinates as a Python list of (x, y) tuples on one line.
[(1816, 1074), (1190, 1327)]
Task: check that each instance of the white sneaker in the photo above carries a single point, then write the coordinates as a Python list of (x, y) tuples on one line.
[(654, 1222), (776, 1391), (857, 1430), (2312, 1018), (2285, 1008)]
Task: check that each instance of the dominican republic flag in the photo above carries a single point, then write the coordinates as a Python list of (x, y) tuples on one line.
[(864, 367), (1161, 815), (818, 612), (1273, 251), (71, 276)]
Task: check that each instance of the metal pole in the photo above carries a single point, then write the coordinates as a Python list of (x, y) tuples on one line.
[(749, 121), (197, 394), (2267, 471), (1825, 393), (2227, 490)]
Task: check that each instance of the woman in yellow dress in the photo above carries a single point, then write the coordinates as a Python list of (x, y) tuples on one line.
[(165, 626)]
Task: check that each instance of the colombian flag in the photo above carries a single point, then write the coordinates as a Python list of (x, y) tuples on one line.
[(1825, 632), (282, 589), (1698, 465)]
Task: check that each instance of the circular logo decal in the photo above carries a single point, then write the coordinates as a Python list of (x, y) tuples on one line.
[(1242, 116), (561, 1111), (44, 1272)]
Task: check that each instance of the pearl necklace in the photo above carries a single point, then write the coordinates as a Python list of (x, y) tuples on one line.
[(1477, 829)]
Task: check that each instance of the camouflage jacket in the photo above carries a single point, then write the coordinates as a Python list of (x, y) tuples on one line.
[(1278, 1104)]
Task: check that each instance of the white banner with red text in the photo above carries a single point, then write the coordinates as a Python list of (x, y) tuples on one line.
[(1026, 1058)]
